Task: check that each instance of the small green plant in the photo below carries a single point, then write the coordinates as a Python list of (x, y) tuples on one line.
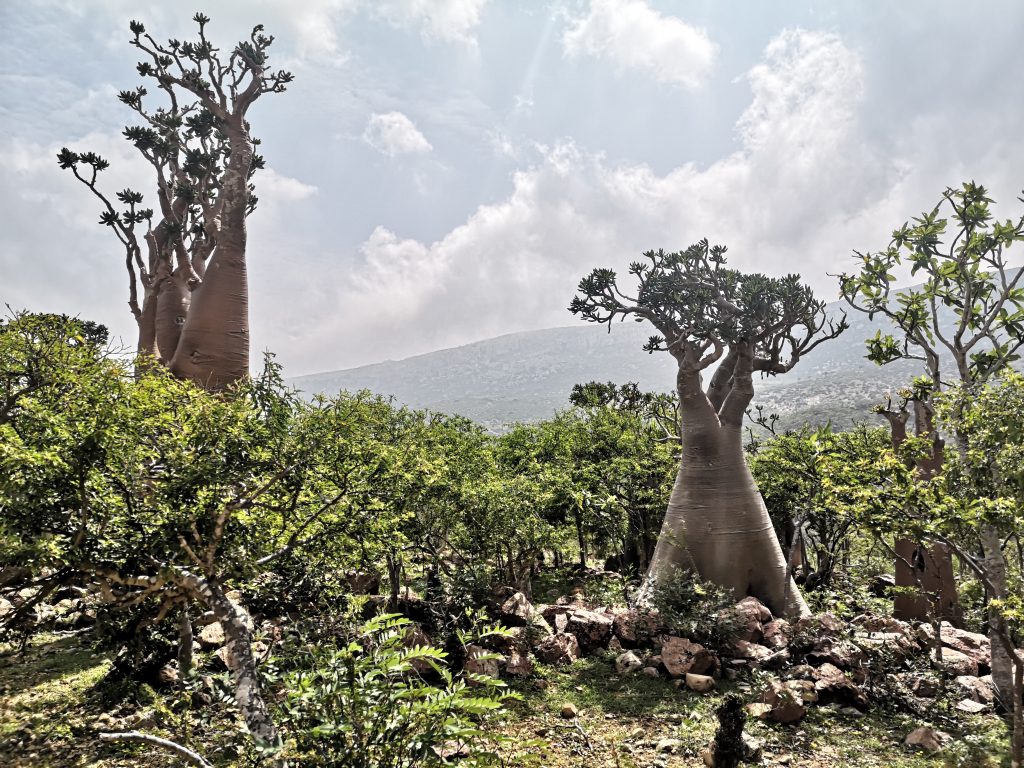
[(696, 609), (378, 701)]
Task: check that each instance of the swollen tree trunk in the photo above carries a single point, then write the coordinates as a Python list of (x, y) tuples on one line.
[(213, 350), (717, 523)]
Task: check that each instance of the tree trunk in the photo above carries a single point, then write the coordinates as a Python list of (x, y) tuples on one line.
[(184, 642), (717, 523), (214, 347), (240, 660), (995, 570), (235, 621)]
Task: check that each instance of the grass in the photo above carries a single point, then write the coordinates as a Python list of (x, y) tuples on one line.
[(622, 720), (49, 715)]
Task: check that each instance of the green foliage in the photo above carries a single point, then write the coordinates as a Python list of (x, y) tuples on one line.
[(971, 305), (696, 609), (810, 481), (370, 702), (693, 299)]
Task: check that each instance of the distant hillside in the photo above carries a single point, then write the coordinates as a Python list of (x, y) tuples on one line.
[(528, 376)]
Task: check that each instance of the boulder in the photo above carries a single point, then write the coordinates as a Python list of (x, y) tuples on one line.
[(560, 648), (925, 686), (971, 644), (805, 689), (480, 661), (752, 616), (416, 636), (832, 685), (776, 634), (743, 649), (779, 703), (927, 739), (635, 628), (516, 610), (833, 650), (568, 711), (976, 689), (592, 629), (699, 683), (517, 664), (679, 656), (652, 672), (896, 644), (954, 663), (628, 663), (211, 636)]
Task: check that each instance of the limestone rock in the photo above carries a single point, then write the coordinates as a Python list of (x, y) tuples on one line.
[(516, 610), (479, 661), (779, 703), (628, 664), (561, 648), (679, 656), (211, 636), (636, 627), (979, 689), (777, 634), (834, 686), (592, 628), (954, 663), (518, 664), (699, 683), (927, 739)]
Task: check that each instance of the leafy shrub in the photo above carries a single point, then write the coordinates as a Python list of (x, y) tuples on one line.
[(696, 609), (373, 702)]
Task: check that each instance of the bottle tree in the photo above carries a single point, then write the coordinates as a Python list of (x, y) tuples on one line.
[(965, 323), (707, 314), (189, 256)]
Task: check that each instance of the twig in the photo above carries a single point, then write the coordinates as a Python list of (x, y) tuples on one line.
[(184, 753)]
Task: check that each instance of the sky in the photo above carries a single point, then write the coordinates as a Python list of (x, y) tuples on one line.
[(445, 171)]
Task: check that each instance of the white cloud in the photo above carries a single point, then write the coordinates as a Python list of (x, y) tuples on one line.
[(450, 20), (392, 134), (804, 188), (634, 36)]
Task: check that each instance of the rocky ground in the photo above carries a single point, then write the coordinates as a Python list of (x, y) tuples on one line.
[(601, 686)]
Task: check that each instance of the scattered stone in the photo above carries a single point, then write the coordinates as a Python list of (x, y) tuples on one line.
[(167, 675), (753, 615), (517, 610), (979, 689), (779, 703), (636, 627), (561, 648), (925, 686), (699, 683), (518, 664), (971, 706), (927, 739), (842, 653), (777, 634), (628, 664), (954, 663), (592, 629), (805, 689), (972, 644), (211, 636), (679, 656), (480, 661), (569, 711), (833, 686), (652, 672), (669, 746), (744, 649)]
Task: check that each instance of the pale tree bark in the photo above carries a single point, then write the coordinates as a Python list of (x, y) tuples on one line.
[(213, 349), (717, 523)]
